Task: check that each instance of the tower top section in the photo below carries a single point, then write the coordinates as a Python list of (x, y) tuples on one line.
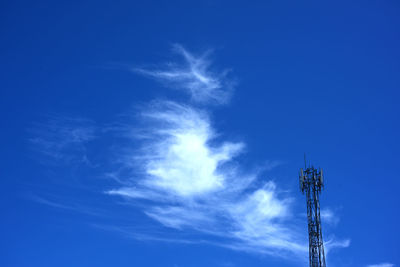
[(311, 178)]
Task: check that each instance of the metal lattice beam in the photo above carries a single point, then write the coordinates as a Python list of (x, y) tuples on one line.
[(311, 183)]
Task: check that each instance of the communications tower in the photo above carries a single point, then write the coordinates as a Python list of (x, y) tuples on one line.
[(311, 183)]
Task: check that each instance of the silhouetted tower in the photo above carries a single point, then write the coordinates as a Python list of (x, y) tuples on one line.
[(311, 182)]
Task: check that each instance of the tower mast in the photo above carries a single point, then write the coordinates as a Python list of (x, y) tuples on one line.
[(311, 183)]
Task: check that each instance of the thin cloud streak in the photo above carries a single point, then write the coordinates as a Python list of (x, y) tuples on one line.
[(333, 243), (382, 265), (75, 207), (194, 77)]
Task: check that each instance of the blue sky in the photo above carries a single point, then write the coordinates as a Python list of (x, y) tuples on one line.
[(171, 133)]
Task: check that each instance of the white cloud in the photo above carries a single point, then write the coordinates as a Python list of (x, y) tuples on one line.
[(195, 77), (190, 179), (382, 265), (177, 158), (194, 183), (329, 217), (333, 243)]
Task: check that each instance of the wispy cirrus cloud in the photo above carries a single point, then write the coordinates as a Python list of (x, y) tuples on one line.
[(193, 182), (184, 175), (63, 139), (382, 265), (331, 243), (189, 177), (329, 217), (62, 205), (195, 77)]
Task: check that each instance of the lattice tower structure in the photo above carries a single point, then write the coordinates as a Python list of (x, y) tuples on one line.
[(311, 183)]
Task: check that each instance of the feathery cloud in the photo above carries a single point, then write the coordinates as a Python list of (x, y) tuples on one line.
[(187, 178), (193, 183), (184, 175), (195, 77)]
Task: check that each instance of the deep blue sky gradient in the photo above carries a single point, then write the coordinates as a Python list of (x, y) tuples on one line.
[(315, 77)]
